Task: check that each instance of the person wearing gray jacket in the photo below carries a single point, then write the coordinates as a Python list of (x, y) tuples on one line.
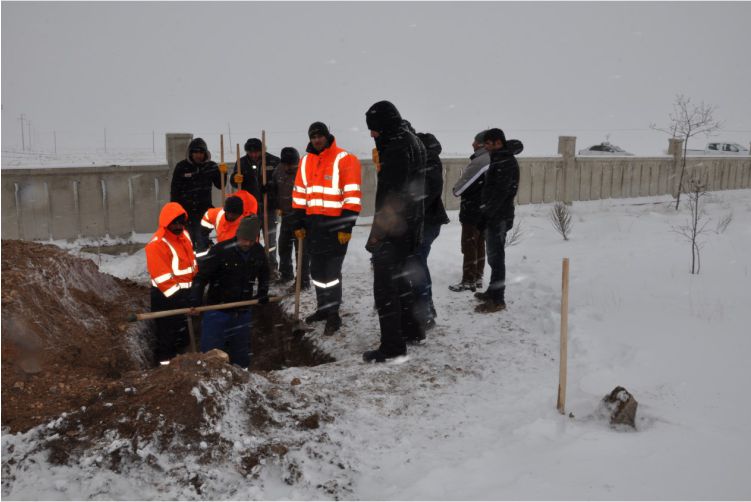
[(469, 188)]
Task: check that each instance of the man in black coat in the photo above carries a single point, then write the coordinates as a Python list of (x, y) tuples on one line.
[(231, 269), (191, 188), (501, 185), (250, 178), (397, 229), (281, 185), (435, 217)]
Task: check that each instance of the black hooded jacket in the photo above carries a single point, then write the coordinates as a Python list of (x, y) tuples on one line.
[(191, 183), (400, 195), (253, 178), (435, 213), (501, 184)]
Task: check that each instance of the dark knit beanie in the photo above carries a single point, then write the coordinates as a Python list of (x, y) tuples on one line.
[(383, 116), (480, 137), (249, 228), (198, 145), (494, 134), (318, 129), (289, 155), (253, 145), (233, 205)]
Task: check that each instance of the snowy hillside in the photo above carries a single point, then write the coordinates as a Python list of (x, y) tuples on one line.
[(471, 413)]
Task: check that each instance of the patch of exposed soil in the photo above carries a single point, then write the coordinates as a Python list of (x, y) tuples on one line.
[(64, 334)]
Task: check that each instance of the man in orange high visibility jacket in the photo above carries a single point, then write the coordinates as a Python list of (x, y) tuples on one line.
[(326, 196), (226, 220), (172, 265)]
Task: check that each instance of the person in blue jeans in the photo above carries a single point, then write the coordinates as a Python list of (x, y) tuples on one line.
[(235, 270), (498, 192), (435, 217)]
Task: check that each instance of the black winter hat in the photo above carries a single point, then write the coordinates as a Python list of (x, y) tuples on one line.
[(249, 228), (383, 116), (253, 145), (494, 134), (233, 205), (289, 155), (318, 129), (480, 137), (198, 145)]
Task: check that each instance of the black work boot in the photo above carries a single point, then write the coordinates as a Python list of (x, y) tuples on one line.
[(333, 323), (316, 316)]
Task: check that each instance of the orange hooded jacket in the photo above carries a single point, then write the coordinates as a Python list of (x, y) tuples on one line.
[(170, 258), (214, 218), (328, 182)]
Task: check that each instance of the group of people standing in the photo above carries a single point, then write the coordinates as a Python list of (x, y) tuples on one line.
[(317, 198)]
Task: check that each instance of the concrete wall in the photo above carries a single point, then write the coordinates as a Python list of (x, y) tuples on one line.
[(67, 203)]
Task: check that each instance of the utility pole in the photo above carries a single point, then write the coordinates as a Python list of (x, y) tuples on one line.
[(105, 140), (153, 141), (23, 140), (28, 122), (54, 139)]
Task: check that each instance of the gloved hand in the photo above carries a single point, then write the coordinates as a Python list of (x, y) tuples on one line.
[(263, 300), (223, 168), (238, 179), (343, 237), (300, 233)]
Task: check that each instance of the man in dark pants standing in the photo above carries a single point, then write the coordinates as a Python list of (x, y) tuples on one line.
[(248, 177), (470, 217), (282, 183), (397, 229), (501, 185), (191, 188), (326, 197), (435, 217)]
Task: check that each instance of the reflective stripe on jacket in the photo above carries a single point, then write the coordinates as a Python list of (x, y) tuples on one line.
[(328, 182)]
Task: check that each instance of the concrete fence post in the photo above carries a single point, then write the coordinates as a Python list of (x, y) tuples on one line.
[(675, 148), (177, 145), (566, 187)]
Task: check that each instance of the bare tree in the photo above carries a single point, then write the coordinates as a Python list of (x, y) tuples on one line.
[(687, 120), (514, 236), (561, 219), (697, 223)]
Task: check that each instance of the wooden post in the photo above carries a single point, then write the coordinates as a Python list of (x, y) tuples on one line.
[(564, 341), (221, 160), (265, 195), (192, 334), (238, 166)]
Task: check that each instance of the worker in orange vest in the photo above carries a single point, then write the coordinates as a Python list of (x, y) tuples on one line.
[(171, 262), (226, 220), (326, 197)]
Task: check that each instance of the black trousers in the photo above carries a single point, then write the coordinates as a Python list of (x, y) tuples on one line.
[(326, 259), (171, 332), (287, 243), (394, 271)]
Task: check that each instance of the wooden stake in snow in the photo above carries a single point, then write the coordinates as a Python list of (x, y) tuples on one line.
[(221, 161), (265, 195), (564, 340), (239, 170)]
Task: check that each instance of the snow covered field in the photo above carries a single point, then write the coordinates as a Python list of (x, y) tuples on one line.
[(471, 413)]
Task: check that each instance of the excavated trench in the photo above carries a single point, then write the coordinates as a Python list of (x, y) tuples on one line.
[(65, 338)]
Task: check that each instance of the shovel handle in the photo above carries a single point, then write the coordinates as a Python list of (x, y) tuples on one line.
[(298, 279), (167, 313)]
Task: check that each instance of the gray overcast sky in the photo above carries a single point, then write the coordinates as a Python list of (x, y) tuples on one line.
[(535, 69)]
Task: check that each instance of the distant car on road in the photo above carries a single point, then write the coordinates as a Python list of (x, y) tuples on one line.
[(725, 149), (604, 148)]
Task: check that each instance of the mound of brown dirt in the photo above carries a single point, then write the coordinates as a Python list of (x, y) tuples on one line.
[(64, 334)]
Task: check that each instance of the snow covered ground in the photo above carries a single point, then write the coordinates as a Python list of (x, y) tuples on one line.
[(471, 413), (82, 158)]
